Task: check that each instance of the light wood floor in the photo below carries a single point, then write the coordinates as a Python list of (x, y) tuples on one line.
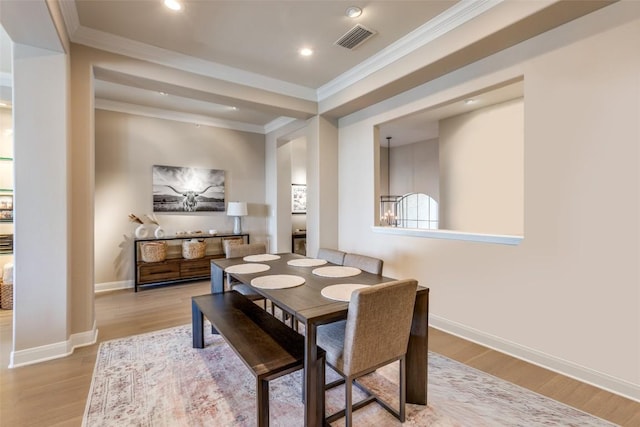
[(54, 393)]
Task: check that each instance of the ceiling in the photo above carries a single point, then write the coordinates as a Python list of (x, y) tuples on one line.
[(256, 43)]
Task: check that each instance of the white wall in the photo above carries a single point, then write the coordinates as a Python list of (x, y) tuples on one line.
[(414, 168), (567, 297), (298, 176), (41, 205), (127, 146), (481, 163)]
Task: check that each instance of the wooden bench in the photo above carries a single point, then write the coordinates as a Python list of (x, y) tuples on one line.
[(267, 346)]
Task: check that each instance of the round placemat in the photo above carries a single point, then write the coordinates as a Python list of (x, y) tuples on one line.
[(341, 292), (336, 271), (277, 281), (247, 268), (261, 257), (306, 262)]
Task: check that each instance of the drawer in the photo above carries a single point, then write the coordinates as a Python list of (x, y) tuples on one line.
[(195, 267), (158, 271)]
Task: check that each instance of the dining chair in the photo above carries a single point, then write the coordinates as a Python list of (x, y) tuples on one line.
[(375, 333), (235, 250), (332, 255), (363, 262)]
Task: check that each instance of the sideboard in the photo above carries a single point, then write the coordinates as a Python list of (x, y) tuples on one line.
[(175, 268)]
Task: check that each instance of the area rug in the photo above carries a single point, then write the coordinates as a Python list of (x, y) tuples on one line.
[(156, 379)]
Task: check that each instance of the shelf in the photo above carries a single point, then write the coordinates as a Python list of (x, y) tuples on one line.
[(176, 269)]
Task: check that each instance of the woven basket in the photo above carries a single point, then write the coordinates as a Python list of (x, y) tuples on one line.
[(6, 296), (153, 251), (193, 249)]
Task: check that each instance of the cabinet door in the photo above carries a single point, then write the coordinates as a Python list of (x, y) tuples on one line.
[(195, 267), (158, 271)]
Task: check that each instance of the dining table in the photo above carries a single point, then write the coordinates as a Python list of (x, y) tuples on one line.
[(305, 302)]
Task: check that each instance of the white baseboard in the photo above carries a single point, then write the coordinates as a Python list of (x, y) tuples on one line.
[(53, 351), (561, 366), (113, 286)]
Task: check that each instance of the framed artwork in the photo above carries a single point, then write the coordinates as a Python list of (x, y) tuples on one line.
[(184, 189), (298, 198), (6, 208)]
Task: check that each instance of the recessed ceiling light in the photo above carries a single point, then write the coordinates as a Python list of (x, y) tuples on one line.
[(163, 93), (233, 108), (305, 51), (470, 101), (173, 4), (353, 12)]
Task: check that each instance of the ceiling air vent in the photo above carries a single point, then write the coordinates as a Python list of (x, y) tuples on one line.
[(355, 37)]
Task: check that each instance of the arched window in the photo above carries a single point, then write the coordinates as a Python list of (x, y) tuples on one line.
[(417, 210)]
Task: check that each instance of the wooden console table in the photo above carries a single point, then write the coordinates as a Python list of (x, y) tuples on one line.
[(176, 269)]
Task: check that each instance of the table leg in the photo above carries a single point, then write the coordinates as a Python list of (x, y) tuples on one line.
[(197, 326), (313, 381), (217, 279), (418, 350)]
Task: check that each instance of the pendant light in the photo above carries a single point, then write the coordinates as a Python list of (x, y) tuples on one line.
[(389, 203)]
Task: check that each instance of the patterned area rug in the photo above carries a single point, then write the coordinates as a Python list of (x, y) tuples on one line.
[(157, 379)]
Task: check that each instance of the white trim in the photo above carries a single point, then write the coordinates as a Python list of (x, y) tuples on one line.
[(547, 361), (123, 46), (113, 286), (277, 124), (53, 351), (502, 239), (158, 113), (447, 21)]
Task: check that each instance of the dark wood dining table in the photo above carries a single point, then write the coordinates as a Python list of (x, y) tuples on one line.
[(308, 306)]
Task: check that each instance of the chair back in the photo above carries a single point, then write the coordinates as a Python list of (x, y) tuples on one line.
[(365, 263), (332, 255), (378, 325), (237, 251)]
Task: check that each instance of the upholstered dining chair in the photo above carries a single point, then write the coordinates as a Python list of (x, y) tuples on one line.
[(235, 250), (363, 262), (375, 333), (332, 255)]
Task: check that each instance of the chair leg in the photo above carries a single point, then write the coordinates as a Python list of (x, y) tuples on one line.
[(348, 409), (403, 388)]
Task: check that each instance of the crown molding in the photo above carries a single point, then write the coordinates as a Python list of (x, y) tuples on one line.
[(278, 123), (450, 19), (123, 46), (447, 21), (196, 119)]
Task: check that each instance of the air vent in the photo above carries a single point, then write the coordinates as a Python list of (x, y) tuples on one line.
[(355, 37)]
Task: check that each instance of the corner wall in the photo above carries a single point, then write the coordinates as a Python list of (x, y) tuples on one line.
[(567, 297), (127, 147)]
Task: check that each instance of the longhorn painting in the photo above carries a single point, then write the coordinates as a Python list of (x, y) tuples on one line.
[(180, 189)]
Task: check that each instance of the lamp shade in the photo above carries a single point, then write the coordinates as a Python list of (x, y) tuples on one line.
[(237, 209)]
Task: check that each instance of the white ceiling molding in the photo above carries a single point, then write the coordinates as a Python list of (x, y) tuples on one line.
[(278, 123), (450, 19), (157, 113), (120, 45)]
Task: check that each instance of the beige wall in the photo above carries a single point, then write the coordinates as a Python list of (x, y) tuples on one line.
[(127, 147), (568, 296), (481, 179)]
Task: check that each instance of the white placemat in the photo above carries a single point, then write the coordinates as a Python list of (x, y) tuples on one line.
[(277, 281), (336, 271), (247, 268), (261, 257), (307, 262), (341, 292)]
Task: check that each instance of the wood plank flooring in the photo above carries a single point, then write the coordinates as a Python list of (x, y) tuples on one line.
[(54, 393)]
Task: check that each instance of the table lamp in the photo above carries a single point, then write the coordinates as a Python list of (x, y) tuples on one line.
[(237, 210)]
